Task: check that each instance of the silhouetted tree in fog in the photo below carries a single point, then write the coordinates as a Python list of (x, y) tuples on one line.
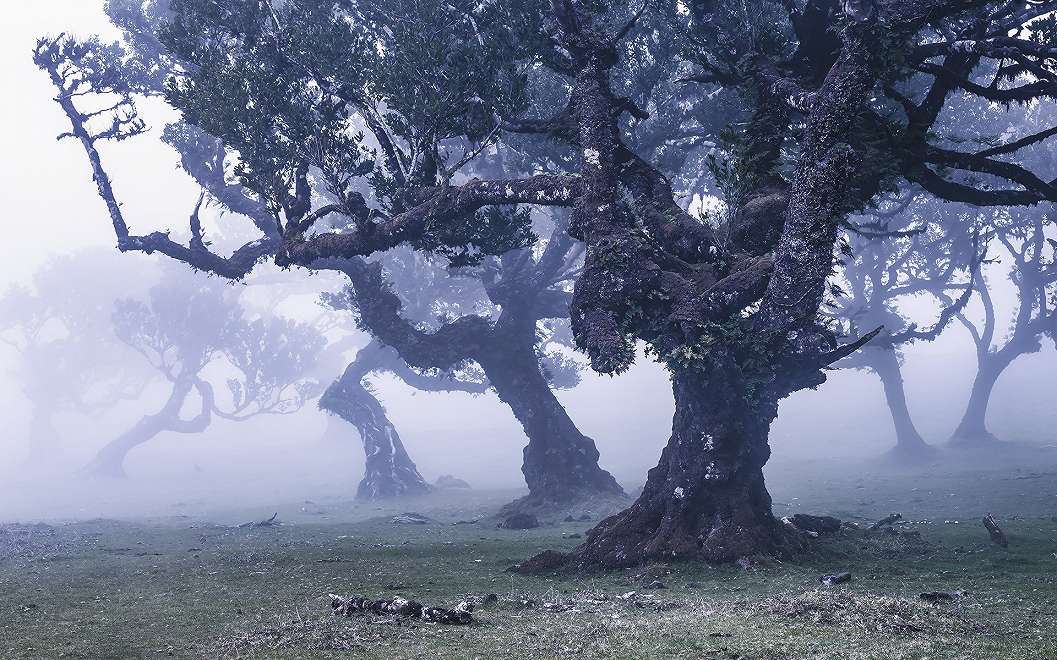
[(916, 250), (191, 323), (69, 360), (1030, 254)]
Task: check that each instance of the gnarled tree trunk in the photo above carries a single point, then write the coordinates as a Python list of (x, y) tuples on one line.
[(706, 497), (389, 471), (560, 463), (910, 446)]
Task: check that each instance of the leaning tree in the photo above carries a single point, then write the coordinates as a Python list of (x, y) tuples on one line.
[(191, 326), (913, 249), (832, 120)]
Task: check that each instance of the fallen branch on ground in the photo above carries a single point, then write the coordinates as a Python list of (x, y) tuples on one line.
[(461, 614)]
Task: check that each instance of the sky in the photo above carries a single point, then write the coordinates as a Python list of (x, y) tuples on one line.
[(51, 208)]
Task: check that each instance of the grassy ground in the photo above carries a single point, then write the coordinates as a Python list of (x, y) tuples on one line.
[(187, 586)]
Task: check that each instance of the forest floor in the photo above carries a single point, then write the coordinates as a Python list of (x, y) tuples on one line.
[(194, 586)]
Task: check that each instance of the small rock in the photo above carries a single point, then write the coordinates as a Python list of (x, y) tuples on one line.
[(816, 524), (836, 578), (569, 518), (656, 584), (411, 519), (519, 521)]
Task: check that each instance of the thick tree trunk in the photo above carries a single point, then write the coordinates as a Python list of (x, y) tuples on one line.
[(389, 471), (560, 463), (910, 446), (706, 498), (972, 430)]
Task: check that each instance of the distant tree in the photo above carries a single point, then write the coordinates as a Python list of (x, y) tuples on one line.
[(190, 323), (841, 103), (69, 360), (1033, 272), (915, 250)]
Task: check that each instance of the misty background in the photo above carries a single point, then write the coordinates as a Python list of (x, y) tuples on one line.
[(52, 211)]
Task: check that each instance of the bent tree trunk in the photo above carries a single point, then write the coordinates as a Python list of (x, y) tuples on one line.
[(110, 460), (706, 497), (910, 446), (560, 463), (389, 471), (972, 430)]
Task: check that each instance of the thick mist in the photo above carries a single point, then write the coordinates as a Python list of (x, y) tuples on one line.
[(298, 456)]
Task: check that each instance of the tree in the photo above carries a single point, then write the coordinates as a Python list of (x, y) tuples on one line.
[(918, 247), (1033, 274), (191, 323), (730, 306), (560, 463), (69, 360)]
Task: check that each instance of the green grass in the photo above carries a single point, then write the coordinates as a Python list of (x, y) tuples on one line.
[(187, 587)]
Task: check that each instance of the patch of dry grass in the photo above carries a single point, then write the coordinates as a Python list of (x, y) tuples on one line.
[(868, 612)]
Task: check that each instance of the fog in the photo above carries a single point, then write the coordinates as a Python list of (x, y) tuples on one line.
[(53, 212)]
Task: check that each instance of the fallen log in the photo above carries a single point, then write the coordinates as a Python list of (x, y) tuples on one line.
[(461, 614), (997, 535), (887, 520)]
